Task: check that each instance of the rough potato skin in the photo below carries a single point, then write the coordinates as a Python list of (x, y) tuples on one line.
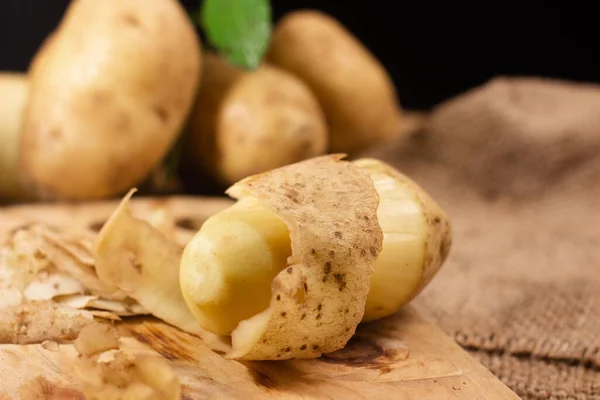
[(249, 122), (317, 301), (354, 89), (109, 94)]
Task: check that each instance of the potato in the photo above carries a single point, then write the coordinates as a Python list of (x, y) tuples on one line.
[(109, 94), (248, 122), (254, 272), (354, 89), (318, 270), (417, 237), (14, 90)]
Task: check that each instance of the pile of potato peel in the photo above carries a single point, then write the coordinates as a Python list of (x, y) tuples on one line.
[(119, 83), (63, 285)]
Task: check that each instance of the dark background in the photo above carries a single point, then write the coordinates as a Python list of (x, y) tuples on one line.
[(433, 50)]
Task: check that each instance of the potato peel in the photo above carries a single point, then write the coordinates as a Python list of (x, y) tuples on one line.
[(133, 255), (106, 372), (330, 207)]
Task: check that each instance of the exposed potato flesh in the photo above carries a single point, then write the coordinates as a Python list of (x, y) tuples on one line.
[(237, 254), (14, 91), (96, 338), (317, 300), (109, 94), (137, 258), (416, 240)]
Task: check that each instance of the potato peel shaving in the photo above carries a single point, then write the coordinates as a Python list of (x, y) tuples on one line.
[(133, 255), (106, 372)]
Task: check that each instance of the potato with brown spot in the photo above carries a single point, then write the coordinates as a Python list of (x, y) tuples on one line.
[(109, 94), (263, 289), (354, 89), (248, 122)]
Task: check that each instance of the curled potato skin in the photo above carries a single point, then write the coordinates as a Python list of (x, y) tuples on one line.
[(352, 86), (248, 122), (109, 94)]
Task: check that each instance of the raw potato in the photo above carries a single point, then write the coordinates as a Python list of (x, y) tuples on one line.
[(246, 123), (317, 298), (109, 94), (239, 251), (417, 237), (354, 89), (14, 90)]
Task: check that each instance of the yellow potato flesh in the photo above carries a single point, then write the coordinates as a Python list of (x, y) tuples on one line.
[(399, 266), (236, 254)]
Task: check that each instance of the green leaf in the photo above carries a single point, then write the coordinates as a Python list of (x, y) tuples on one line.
[(239, 29)]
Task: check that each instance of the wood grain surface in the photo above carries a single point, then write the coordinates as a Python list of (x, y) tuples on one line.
[(400, 357)]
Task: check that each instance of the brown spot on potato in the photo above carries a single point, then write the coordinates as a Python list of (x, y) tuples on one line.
[(320, 306), (303, 347), (161, 113), (189, 224), (315, 347), (313, 252), (327, 268), (437, 220), (287, 349), (55, 133), (131, 20), (332, 253), (284, 314), (340, 280), (305, 286), (347, 310), (303, 316), (373, 251), (278, 297), (289, 270), (319, 315), (338, 234), (363, 252), (135, 263), (324, 278)]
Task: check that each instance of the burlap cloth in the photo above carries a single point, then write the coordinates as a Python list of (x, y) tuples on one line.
[(516, 163)]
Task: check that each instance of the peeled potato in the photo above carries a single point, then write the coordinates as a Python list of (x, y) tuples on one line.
[(417, 236), (317, 293), (109, 94), (14, 89), (248, 122), (243, 274), (354, 89)]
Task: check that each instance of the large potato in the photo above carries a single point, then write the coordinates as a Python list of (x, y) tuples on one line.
[(109, 95), (251, 122), (354, 89), (13, 97)]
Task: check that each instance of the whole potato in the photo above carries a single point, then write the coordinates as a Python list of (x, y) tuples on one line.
[(247, 122), (109, 94), (354, 89), (14, 90)]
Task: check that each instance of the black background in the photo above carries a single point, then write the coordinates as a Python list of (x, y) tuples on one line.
[(433, 50)]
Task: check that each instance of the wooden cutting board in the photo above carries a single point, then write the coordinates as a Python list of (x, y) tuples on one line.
[(400, 357)]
